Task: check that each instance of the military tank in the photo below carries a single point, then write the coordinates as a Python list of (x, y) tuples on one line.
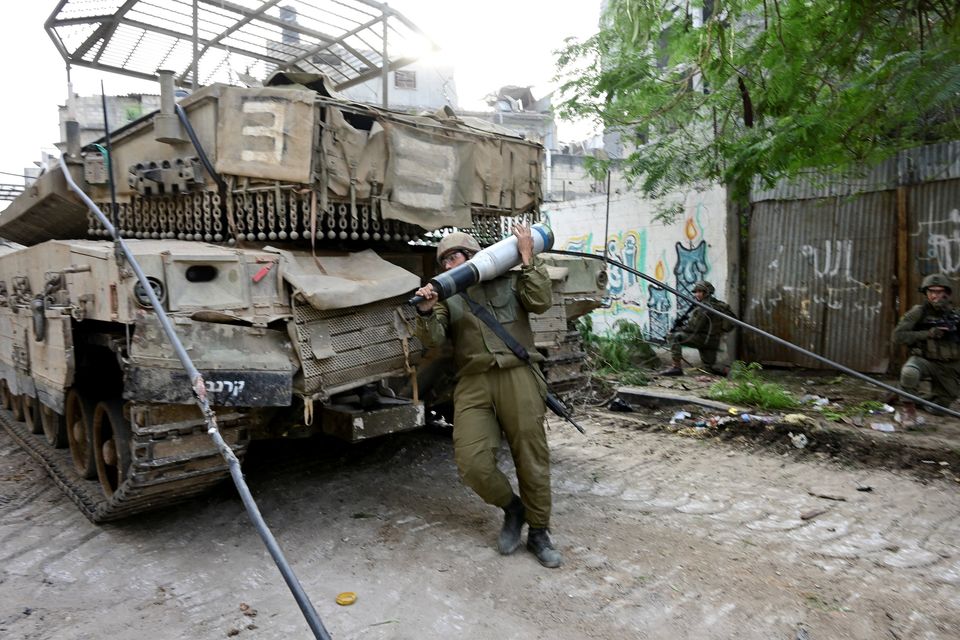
[(282, 228)]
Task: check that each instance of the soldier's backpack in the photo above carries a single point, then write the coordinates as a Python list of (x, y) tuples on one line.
[(726, 326)]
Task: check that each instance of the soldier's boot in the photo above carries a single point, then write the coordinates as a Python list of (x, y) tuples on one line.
[(538, 542), (675, 370), (513, 519)]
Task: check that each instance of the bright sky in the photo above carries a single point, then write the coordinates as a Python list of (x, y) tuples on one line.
[(490, 43)]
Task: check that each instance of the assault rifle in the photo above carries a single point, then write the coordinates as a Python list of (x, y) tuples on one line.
[(948, 322)]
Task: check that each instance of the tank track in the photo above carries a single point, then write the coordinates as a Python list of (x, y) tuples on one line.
[(170, 464)]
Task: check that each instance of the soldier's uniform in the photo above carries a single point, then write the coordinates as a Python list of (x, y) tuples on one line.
[(702, 330), (496, 390), (932, 358)]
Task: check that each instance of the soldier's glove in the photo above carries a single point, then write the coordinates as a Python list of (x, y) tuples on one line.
[(936, 332)]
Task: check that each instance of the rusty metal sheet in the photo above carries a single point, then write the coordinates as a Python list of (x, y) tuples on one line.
[(934, 233), (821, 275)]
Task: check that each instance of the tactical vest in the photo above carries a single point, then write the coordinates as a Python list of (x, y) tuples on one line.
[(472, 337)]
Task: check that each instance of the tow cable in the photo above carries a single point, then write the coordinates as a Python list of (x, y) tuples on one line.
[(836, 365)]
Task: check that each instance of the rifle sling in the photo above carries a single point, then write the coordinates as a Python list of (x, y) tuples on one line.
[(552, 402), (488, 319)]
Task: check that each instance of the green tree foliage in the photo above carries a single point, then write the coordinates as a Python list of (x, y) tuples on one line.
[(766, 88)]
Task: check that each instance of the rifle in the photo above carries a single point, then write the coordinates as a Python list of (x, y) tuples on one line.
[(681, 320), (949, 322)]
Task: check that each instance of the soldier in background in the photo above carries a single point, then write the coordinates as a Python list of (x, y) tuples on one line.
[(699, 329), (930, 330)]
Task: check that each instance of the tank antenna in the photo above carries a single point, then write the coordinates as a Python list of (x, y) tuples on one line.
[(118, 254)]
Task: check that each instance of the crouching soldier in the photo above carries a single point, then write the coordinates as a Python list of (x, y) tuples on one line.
[(699, 329), (931, 331)]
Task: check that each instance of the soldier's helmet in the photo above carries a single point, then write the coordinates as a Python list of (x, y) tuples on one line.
[(456, 241), (936, 280), (705, 286)]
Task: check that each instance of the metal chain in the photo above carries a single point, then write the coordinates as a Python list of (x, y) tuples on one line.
[(271, 216), (239, 215), (261, 221), (331, 221), (207, 217), (294, 207), (217, 214), (180, 215)]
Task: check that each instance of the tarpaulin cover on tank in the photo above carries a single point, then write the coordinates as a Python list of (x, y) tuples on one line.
[(429, 169), (345, 281), (266, 133)]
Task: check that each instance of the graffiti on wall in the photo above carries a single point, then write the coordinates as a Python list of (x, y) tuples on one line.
[(943, 245), (635, 299)]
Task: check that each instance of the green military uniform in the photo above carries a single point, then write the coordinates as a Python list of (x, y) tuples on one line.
[(935, 359), (496, 390), (702, 330)]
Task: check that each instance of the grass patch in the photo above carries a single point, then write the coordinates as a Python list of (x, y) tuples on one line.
[(746, 386)]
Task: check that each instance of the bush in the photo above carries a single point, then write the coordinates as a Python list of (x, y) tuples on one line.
[(624, 353), (746, 386)]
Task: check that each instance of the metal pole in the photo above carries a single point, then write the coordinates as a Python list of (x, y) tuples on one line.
[(606, 226), (385, 71), (196, 44)]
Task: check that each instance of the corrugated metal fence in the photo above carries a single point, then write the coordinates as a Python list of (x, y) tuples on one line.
[(832, 263)]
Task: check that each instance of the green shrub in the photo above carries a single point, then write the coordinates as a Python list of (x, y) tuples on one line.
[(624, 353), (746, 386)]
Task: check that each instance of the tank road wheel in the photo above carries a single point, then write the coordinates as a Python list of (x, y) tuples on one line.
[(31, 412), (5, 397), (54, 427), (79, 416), (111, 442)]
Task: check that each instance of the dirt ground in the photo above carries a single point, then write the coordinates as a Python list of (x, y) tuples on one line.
[(663, 536)]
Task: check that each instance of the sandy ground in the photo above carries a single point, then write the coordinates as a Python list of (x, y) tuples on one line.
[(663, 537)]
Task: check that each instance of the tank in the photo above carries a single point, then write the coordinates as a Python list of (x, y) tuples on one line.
[(283, 228)]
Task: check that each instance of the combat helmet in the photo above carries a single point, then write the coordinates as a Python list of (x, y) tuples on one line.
[(936, 280), (703, 285), (457, 241)]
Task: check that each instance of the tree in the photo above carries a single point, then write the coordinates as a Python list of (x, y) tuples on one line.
[(765, 88)]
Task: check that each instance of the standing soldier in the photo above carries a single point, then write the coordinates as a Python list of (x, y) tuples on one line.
[(699, 329), (497, 391), (930, 330)]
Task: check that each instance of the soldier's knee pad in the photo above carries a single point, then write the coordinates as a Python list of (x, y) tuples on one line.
[(909, 377)]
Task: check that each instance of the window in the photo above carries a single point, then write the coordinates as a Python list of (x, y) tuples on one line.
[(405, 79)]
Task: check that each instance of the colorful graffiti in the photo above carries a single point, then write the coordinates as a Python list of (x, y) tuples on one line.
[(635, 299)]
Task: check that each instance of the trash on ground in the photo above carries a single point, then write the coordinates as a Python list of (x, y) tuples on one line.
[(679, 415), (799, 440), (799, 420), (817, 401), (886, 427), (750, 417)]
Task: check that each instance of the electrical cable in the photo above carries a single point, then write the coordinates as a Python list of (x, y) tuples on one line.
[(836, 365), (199, 390), (196, 145)]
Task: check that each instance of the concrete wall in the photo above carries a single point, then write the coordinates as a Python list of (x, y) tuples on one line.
[(694, 247)]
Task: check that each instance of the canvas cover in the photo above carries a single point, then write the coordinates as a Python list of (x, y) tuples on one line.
[(266, 133), (338, 282), (430, 176)]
